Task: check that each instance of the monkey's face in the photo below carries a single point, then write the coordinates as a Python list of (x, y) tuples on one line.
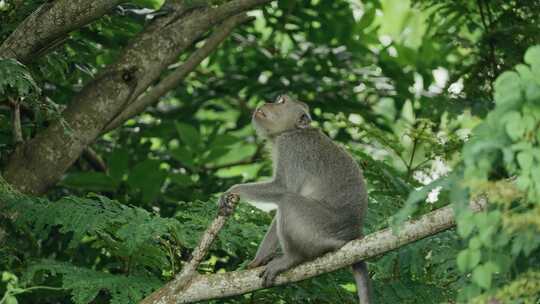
[(282, 115)]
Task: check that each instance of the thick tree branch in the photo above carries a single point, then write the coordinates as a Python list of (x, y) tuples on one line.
[(204, 287), (41, 161), (174, 79), (49, 23)]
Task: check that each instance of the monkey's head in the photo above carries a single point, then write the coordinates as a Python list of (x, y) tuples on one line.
[(283, 115)]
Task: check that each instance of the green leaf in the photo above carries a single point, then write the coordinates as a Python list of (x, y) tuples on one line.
[(532, 92), (529, 121), (246, 171), (9, 277), (236, 153), (90, 181), (184, 156), (465, 223), (189, 136), (225, 140), (486, 235), (475, 243), (147, 177), (9, 299), (487, 219), (118, 162), (532, 56), (515, 128), (508, 88), (468, 259), (525, 160), (469, 291), (525, 72), (215, 153), (482, 275), (182, 180)]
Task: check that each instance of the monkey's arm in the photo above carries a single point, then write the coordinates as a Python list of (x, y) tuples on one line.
[(263, 192)]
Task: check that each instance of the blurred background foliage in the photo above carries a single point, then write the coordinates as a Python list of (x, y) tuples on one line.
[(408, 87)]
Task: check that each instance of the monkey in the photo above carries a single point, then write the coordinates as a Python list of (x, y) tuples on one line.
[(318, 188)]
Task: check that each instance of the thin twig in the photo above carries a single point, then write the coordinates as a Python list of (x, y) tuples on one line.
[(183, 279), (415, 145), (94, 159), (16, 121)]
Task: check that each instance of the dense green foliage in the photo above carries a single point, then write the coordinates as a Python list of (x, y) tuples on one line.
[(503, 242), (436, 99)]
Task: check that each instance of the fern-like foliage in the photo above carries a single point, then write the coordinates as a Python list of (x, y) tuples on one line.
[(85, 284), (15, 79), (123, 229), (101, 245), (128, 240)]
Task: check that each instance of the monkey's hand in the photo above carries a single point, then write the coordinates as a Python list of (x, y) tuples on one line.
[(227, 202)]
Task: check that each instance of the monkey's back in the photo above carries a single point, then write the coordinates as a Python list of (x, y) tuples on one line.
[(317, 168)]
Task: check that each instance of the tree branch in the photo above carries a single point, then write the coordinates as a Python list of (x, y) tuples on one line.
[(41, 161), (49, 23), (174, 79), (16, 120), (94, 159), (204, 287)]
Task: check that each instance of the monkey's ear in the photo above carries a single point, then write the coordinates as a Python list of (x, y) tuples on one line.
[(304, 121)]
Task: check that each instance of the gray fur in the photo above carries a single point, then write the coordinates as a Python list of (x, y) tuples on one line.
[(318, 188)]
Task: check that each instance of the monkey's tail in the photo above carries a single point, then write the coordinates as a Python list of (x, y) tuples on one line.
[(363, 282)]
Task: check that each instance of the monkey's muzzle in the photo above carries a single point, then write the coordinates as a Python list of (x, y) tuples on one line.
[(259, 113)]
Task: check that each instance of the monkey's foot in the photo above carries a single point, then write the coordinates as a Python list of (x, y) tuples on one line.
[(275, 267), (227, 202), (268, 275)]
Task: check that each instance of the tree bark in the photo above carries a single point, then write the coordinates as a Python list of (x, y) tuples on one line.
[(41, 161), (205, 287), (49, 23)]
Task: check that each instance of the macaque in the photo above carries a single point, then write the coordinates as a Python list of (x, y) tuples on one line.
[(318, 188)]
